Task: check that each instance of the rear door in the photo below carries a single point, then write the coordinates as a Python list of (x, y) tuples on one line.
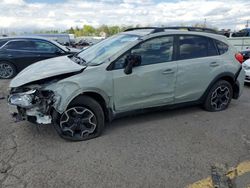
[(198, 64), (20, 52), (150, 84)]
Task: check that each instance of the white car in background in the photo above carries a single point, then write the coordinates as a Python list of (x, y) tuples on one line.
[(246, 66)]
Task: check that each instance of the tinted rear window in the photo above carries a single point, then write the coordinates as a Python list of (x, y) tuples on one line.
[(196, 47), (222, 47)]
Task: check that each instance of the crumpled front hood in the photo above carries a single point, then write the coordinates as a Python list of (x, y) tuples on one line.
[(45, 69)]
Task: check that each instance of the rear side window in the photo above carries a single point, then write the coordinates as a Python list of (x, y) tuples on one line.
[(196, 47), (222, 47)]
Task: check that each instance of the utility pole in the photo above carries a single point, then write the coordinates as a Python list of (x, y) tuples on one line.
[(247, 23), (205, 22)]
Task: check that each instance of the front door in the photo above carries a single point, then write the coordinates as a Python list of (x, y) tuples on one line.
[(150, 84)]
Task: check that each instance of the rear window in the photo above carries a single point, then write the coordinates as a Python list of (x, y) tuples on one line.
[(196, 47), (222, 47), (2, 42)]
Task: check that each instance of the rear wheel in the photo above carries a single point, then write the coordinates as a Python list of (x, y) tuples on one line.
[(83, 120), (219, 96), (7, 70)]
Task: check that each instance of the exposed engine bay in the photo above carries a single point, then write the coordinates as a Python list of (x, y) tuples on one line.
[(32, 104)]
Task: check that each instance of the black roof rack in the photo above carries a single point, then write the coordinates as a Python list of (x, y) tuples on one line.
[(161, 29)]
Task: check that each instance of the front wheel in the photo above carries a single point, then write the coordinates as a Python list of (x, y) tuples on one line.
[(83, 120), (219, 96)]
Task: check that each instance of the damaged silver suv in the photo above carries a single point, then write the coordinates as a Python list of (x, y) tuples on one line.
[(138, 69)]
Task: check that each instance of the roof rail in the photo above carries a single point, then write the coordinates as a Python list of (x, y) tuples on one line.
[(161, 29)]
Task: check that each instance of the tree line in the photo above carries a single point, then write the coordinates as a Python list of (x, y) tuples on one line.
[(88, 30)]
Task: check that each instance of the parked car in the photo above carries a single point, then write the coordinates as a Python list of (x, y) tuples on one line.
[(242, 33), (16, 53), (246, 66), (136, 70), (246, 54)]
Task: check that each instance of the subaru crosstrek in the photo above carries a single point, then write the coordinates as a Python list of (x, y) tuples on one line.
[(129, 72)]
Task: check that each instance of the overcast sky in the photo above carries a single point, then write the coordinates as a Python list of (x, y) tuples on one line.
[(62, 14)]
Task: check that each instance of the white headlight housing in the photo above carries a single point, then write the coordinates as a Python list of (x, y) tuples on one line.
[(23, 100)]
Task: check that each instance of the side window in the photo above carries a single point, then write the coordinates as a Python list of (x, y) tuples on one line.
[(196, 47), (211, 48), (45, 47), (222, 47), (20, 45), (157, 50)]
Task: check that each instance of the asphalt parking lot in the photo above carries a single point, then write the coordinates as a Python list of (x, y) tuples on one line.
[(174, 149)]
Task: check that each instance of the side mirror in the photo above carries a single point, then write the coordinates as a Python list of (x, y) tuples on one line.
[(130, 62)]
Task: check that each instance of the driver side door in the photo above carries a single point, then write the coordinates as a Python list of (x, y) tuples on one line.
[(150, 84)]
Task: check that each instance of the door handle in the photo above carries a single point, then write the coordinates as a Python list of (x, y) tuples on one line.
[(214, 64), (10, 55), (168, 71)]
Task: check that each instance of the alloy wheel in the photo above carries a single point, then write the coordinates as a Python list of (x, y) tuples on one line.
[(6, 71), (220, 97), (78, 122)]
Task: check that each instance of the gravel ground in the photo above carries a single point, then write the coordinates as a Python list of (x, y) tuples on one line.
[(162, 149)]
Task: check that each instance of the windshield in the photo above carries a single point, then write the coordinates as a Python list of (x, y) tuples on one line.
[(99, 52)]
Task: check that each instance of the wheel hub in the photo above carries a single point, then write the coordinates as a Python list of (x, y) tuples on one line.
[(6, 70), (78, 121), (220, 97)]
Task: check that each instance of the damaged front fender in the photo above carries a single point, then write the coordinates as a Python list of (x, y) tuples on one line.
[(62, 94)]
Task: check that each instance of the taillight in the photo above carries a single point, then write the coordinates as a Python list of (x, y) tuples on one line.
[(239, 57)]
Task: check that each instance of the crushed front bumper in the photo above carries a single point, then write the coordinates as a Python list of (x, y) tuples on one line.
[(16, 116), (32, 106)]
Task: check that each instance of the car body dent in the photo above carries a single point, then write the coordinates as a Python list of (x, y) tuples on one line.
[(132, 92), (84, 82), (188, 87), (45, 69)]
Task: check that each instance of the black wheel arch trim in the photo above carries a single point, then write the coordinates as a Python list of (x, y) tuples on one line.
[(234, 82)]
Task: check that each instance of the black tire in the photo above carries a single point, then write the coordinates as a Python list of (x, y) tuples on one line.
[(7, 66), (78, 107), (219, 96)]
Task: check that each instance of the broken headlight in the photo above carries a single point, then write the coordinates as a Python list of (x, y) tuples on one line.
[(23, 100)]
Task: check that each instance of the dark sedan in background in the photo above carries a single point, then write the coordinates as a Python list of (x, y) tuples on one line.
[(16, 53), (246, 54)]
